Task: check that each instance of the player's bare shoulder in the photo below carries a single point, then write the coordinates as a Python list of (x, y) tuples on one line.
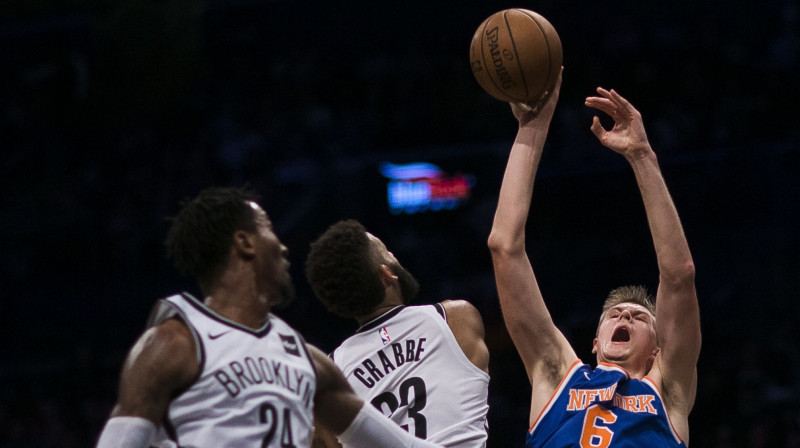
[(466, 323), (165, 352), (162, 363), (323, 365), (461, 312)]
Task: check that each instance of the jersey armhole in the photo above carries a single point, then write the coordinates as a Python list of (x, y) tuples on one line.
[(440, 309), (576, 365), (308, 355), (164, 310)]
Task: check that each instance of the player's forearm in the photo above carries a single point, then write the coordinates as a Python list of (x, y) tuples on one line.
[(677, 311), (513, 205), (672, 250), (521, 302)]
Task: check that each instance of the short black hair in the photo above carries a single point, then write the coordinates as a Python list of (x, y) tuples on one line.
[(343, 272), (201, 233)]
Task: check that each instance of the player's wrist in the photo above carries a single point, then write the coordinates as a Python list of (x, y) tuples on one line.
[(640, 152), (532, 133)]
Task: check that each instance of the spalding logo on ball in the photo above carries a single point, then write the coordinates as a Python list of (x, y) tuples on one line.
[(516, 55)]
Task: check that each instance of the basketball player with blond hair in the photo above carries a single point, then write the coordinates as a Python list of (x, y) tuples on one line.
[(643, 387)]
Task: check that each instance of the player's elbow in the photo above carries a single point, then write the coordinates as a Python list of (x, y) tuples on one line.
[(503, 244), (682, 274), (686, 271)]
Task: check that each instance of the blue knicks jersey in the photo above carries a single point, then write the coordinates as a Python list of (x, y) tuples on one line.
[(603, 408)]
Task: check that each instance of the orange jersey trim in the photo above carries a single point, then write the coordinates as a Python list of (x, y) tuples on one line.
[(570, 371), (615, 367), (652, 384)]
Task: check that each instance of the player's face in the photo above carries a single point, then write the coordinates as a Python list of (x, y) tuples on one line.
[(271, 260), (627, 336), (409, 287)]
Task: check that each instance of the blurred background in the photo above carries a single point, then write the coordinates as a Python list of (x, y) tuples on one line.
[(111, 112)]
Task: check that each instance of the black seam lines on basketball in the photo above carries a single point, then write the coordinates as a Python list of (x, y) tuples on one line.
[(516, 55), (483, 55), (497, 89), (549, 52)]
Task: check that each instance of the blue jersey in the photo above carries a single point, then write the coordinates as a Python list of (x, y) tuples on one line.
[(603, 408)]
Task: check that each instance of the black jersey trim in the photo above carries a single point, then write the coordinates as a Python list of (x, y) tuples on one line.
[(440, 309), (165, 310), (308, 354), (380, 319), (200, 348), (200, 306), (170, 430)]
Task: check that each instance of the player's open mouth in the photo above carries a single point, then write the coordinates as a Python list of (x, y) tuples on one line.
[(621, 334)]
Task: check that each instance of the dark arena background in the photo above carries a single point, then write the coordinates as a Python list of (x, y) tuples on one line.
[(112, 112)]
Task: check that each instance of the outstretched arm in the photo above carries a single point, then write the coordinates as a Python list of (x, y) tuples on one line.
[(677, 311), (544, 350), (161, 363)]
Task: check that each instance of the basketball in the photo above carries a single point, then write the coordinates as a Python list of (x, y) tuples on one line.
[(516, 55)]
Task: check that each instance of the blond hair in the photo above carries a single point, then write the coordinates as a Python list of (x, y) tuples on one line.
[(628, 294)]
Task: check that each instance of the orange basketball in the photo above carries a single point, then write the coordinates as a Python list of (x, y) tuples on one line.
[(516, 55)]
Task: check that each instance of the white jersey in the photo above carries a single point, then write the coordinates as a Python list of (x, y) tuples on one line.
[(255, 388), (408, 364)]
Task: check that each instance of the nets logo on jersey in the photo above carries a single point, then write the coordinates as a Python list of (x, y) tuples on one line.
[(290, 344), (384, 334)]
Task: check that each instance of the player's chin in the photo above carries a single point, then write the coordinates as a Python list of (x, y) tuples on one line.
[(616, 352), (286, 295)]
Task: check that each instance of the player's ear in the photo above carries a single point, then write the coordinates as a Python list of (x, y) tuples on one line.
[(244, 243), (386, 274), (594, 346), (652, 358)]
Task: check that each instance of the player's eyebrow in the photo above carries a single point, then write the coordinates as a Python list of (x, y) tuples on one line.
[(631, 309)]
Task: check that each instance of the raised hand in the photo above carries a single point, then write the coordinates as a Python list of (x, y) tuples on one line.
[(540, 112), (628, 136)]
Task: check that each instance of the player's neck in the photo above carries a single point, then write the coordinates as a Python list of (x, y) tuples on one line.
[(235, 296), (389, 302)]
